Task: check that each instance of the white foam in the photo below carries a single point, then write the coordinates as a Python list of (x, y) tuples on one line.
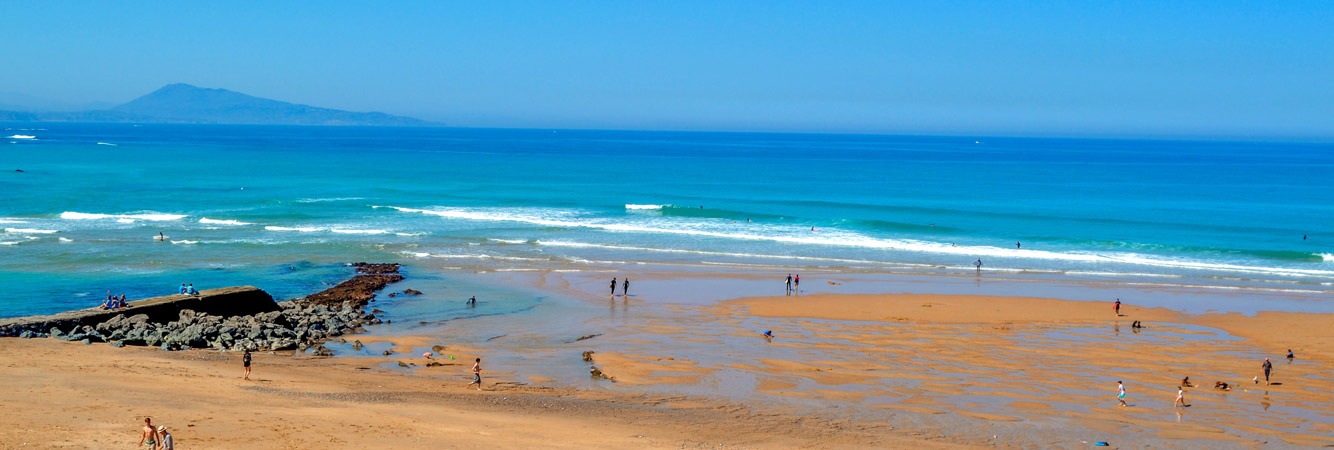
[(29, 231), (840, 238), (12, 221), (9, 242), (66, 240), (185, 242), (223, 221), (351, 231), (634, 206), (704, 252), (106, 143), (300, 229), (123, 218), (410, 234), (23, 136), (509, 241), (1327, 257)]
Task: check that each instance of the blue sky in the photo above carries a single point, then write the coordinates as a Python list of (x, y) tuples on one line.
[(1225, 69)]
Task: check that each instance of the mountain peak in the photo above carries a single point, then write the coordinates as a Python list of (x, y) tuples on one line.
[(186, 103)]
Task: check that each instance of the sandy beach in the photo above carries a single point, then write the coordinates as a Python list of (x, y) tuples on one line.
[(690, 369), (69, 395)]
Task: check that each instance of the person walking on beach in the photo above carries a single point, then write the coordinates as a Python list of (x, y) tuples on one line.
[(978, 264), (787, 285), (1181, 397), (796, 284), (476, 374), (1117, 307), (245, 361), (167, 442), (1121, 393), (149, 436), (625, 287), (613, 286), (1267, 366)]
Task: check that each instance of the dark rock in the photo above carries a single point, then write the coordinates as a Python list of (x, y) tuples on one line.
[(375, 269), (27, 334), (388, 352), (356, 345), (87, 341), (584, 338), (412, 292), (116, 344), (588, 356)]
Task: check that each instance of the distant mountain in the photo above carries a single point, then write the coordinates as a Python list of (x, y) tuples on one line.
[(183, 103)]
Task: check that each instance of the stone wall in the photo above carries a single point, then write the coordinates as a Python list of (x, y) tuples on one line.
[(224, 302)]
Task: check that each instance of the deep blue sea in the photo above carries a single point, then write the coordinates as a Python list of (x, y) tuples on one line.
[(283, 207)]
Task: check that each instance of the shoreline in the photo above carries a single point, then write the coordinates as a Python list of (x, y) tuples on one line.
[(939, 377)]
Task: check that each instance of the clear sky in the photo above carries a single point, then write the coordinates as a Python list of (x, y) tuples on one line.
[(1226, 69)]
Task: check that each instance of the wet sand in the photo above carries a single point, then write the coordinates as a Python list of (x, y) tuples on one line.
[(688, 367), (68, 395)]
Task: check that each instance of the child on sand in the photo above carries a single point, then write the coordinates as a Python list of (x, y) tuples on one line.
[(1121, 393), (1181, 398), (476, 374)]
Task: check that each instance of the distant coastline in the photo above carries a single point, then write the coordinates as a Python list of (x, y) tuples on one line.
[(186, 104)]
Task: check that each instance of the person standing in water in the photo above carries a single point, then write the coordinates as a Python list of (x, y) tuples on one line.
[(1018, 245), (472, 301), (978, 264), (625, 287), (613, 286)]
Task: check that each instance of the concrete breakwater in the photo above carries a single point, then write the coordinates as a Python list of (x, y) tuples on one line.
[(226, 319)]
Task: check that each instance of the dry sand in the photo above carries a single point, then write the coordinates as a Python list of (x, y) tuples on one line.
[(848, 371), (68, 395)]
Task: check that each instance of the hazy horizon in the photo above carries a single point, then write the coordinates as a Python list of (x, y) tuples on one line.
[(1231, 70)]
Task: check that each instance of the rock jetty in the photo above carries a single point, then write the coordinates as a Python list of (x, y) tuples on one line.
[(224, 319)]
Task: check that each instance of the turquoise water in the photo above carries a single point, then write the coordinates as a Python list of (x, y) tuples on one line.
[(283, 207)]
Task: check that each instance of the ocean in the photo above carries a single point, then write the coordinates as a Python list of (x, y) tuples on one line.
[(283, 208)]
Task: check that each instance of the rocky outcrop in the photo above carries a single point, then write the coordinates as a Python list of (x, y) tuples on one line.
[(359, 290), (228, 319), (224, 302)]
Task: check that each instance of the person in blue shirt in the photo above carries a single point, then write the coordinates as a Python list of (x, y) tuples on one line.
[(192, 290), (183, 290)]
